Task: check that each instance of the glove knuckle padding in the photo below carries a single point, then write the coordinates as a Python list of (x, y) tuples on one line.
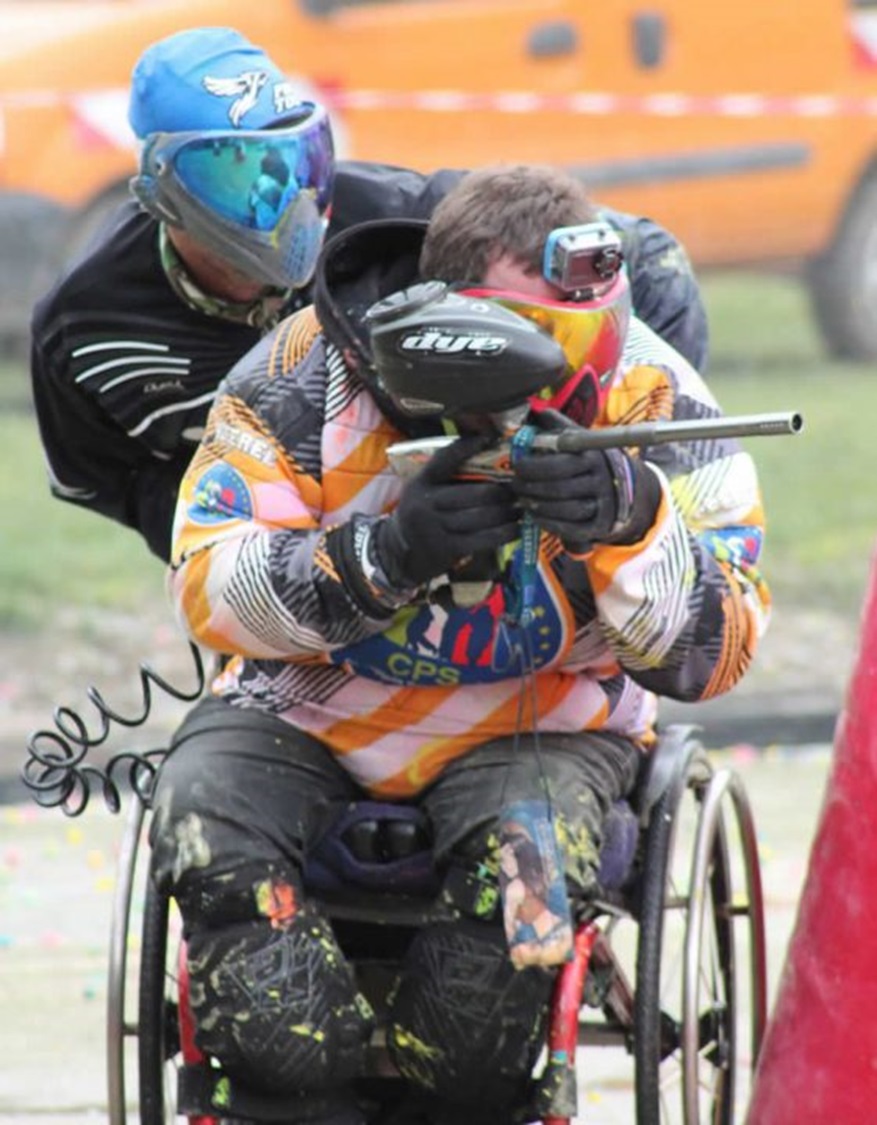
[(440, 521), (572, 495)]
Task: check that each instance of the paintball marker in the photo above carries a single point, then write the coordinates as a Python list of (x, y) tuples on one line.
[(440, 353), (408, 457)]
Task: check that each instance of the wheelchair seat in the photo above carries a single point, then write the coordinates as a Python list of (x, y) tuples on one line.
[(387, 847), (376, 846), (384, 847)]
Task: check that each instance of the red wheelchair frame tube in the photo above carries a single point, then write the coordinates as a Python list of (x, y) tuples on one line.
[(192, 1054), (563, 1030)]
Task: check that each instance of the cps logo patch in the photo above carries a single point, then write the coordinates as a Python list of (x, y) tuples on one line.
[(220, 494)]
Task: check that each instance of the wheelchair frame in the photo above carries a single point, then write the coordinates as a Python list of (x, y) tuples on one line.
[(686, 1050)]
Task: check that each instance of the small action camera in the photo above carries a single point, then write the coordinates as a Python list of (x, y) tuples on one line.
[(582, 258)]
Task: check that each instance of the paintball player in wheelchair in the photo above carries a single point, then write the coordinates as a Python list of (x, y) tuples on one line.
[(474, 623)]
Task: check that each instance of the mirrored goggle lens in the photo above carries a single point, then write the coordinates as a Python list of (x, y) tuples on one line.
[(251, 179), (590, 336)]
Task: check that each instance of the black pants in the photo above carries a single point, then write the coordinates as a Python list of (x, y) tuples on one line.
[(239, 803)]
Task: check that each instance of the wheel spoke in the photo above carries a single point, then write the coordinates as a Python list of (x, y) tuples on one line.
[(688, 940)]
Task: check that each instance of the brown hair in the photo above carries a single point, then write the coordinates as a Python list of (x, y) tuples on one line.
[(504, 209)]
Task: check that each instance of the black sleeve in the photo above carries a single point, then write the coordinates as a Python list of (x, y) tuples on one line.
[(90, 460), (663, 286), (151, 500), (366, 191)]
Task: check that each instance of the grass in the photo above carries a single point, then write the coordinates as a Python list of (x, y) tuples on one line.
[(820, 496), (820, 502), (54, 555), (821, 508)]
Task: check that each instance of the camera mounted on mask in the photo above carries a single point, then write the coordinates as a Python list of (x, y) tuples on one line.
[(440, 353), (583, 259)]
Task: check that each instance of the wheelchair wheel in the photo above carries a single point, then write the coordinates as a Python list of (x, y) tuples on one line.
[(152, 1021), (159, 1048), (688, 1041), (120, 1027)]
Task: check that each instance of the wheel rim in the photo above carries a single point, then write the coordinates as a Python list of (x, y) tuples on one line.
[(709, 1027), (685, 1040), (118, 1027), (696, 993)]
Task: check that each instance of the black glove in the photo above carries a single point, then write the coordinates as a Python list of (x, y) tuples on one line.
[(440, 521), (596, 496)]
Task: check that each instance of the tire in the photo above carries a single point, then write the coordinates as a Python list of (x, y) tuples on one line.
[(842, 283), (118, 1027), (156, 1011), (663, 1086)]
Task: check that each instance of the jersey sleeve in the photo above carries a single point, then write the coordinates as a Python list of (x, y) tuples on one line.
[(684, 607), (254, 570)]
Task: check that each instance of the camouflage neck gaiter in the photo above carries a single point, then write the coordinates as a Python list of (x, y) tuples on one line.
[(263, 313)]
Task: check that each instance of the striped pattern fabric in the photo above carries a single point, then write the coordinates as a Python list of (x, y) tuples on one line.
[(295, 445)]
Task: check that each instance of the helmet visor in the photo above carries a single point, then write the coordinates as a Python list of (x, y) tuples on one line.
[(591, 333), (267, 188)]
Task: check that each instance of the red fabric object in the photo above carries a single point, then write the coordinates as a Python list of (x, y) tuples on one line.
[(818, 1062)]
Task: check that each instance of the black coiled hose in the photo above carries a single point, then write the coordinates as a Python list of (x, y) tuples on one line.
[(55, 772)]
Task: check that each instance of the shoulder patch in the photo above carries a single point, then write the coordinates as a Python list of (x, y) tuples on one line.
[(221, 493)]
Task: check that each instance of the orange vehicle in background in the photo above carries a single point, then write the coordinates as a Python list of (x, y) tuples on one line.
[(748, 128)]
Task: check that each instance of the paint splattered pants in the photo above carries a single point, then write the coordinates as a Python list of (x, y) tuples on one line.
[(239, 804)]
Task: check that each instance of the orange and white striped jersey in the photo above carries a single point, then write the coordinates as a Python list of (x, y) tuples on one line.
[(296, 447)]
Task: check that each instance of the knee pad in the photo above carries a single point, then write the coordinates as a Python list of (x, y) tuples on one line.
[(464, 1023), (278, 1005)]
